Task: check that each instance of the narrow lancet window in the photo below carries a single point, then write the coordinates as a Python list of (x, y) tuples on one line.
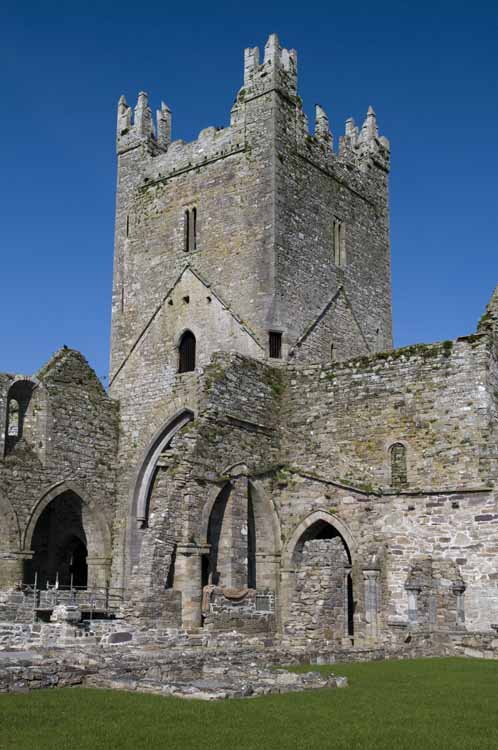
[(339, 240), (194, 229), (399, 476), (190, 230), (275, 345), (186, 351), (186, 231)]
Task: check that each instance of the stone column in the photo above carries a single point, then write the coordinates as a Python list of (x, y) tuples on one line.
[(12, 568), (188, 580), (237, 535), (267, 568), (371, 592), (287, 587), (99, 572), (459, 590)]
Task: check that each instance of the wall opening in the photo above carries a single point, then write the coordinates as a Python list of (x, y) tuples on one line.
[(322, 600), (275, 344), (19, 420), (59, 543), (190, 230), (186, 352), (399, 472), (339, 243)]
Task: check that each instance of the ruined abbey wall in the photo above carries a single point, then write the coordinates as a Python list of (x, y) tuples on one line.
[(69, 442)]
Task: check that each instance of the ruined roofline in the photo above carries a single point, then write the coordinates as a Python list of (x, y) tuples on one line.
[(277, 72)]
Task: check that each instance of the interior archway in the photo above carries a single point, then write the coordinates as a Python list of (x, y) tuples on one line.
[(59, 544), (321, 601)]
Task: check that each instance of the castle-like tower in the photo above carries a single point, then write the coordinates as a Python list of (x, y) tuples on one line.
[(263, 461), (257, 238)]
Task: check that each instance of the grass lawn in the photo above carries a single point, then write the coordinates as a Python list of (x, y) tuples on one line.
[(428, 704)]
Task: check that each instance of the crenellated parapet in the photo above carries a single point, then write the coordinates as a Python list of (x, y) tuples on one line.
[(277, 71), (365, 145), (137, 127)]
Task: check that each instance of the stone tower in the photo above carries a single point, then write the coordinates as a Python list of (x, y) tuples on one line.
[(257, 238)]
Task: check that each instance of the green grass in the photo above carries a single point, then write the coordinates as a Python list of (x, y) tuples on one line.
[(426, 704)]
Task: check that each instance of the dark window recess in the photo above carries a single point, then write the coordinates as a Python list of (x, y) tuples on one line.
[(399, 474), (275, 345), (190, 230), (186, 360), (193, 220), (186, 231), (339, 241)]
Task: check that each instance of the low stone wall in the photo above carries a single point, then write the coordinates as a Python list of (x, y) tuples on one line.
[(225, 613), (21, 672), (475, 645), (208, 673)]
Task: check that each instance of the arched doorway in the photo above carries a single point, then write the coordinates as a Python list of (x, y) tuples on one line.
[(320, 596), (59, 544), (231, 538)]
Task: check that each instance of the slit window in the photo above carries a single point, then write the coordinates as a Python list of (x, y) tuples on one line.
[(190, 230), (186, 352), (339, 241), (275, 344), (399, 475)]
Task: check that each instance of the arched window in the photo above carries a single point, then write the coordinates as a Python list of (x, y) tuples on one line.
[(186, 350), (18, 424), (399, 476)]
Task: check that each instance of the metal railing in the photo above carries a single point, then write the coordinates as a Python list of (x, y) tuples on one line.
[(102, 600)]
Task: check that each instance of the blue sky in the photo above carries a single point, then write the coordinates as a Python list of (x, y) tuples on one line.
[(429, 69)]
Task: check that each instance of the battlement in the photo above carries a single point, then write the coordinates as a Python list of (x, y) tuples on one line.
[(135, 127), (277, 71)]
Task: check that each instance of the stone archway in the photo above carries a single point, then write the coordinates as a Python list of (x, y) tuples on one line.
[(317, 580), (68, 540), (147, 465)]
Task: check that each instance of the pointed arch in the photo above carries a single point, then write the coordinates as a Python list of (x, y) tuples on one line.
[(314, 518), (146, 467), (97, 529)]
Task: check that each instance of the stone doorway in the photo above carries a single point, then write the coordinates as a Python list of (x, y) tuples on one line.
[(321, 602)]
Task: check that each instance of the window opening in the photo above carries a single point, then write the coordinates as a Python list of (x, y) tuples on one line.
[(194, 229), (399, 476), (186, 350), (275, 342), (190, 230), (186, 231), (339, 243)]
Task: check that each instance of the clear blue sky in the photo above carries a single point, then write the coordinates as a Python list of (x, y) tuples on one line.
[(430, 71)]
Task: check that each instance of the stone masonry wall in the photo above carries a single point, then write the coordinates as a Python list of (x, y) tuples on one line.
[(318, 604), (73, 448)]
